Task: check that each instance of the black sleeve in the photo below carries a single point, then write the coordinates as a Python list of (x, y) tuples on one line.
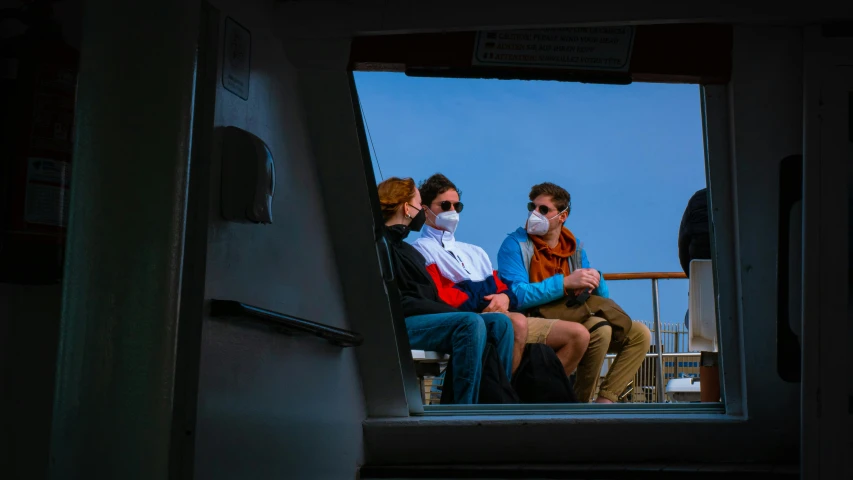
[(684, 242), (693, 232), (421, 306)]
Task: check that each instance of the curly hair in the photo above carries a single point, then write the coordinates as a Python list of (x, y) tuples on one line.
[(559, 196), (435, 186)]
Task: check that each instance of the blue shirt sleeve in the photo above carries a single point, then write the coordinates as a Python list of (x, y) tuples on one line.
[(602, 290), (512, 271)]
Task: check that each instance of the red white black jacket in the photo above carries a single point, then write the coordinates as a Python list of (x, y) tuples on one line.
[(462, 272)]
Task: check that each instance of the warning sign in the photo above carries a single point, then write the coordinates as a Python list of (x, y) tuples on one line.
[(47, 192), (587, 48), (236, 61)]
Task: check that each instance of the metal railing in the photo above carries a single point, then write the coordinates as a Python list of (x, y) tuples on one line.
[(673, 336), (643, 388), (654, 277), (678, 362)]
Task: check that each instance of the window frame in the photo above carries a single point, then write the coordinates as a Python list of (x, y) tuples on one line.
[(715, 126), (444, 435), (745, 124)]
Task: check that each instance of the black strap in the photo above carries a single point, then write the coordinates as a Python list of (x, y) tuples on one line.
[(598, 325)]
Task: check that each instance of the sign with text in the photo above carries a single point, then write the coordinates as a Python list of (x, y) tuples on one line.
[(583, 48), (236, 61)]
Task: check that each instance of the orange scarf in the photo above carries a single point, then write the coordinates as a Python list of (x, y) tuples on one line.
[(546, 261)]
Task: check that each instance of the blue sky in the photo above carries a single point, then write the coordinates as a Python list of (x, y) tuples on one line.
[(631, 157)]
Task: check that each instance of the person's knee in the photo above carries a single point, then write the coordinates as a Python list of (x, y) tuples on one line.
[(519, 326), (579, 336), (503, 324), (601, 335), (471, 324), (568, 334), (642, 334)]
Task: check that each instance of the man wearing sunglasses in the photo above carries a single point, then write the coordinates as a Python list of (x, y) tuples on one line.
[(467, 281), (549, 273)]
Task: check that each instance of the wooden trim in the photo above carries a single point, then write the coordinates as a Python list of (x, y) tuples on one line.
[(677, 53), (645, 276)]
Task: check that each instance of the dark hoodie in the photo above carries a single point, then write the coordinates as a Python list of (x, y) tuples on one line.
[(694, 239), (419, 293)]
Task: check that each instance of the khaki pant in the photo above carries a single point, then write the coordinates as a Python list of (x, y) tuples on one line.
[(538, 329), (629, 340)]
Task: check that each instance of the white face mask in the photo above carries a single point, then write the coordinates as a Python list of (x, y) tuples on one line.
[(538, 225), (447, 221)]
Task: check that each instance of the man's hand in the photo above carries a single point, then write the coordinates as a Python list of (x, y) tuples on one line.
[(497, 303), (582, 279)]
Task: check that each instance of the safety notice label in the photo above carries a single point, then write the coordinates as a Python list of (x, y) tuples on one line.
[(587, 48), (47, 192), (236, 61)]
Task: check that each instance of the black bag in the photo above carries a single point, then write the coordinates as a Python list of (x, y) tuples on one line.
[(494, 386), (540, 377), (575, 300)]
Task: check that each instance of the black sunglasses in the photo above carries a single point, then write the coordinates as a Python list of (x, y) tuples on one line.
[(445, 206), (543, 209)]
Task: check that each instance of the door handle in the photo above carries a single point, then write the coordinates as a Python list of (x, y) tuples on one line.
[(387, 268), (788, 350)]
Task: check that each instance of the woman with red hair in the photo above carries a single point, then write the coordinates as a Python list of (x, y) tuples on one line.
[(432, 324)]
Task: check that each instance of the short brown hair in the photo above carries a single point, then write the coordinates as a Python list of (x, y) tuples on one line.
[(559, 195), (394, 192), (435, 186)]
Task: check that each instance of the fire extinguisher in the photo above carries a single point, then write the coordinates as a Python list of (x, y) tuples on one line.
[(38, 71)]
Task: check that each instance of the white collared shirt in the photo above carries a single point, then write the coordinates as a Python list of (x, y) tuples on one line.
[(457, 261)]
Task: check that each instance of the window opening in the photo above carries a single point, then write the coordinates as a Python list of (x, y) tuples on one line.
[(632, 158)]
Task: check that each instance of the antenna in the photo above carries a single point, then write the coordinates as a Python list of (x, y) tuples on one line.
[(370, 138)]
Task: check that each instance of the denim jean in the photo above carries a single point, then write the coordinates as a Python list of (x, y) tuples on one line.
[(463, 335)]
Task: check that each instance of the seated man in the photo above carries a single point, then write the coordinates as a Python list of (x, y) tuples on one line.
[(550, 277), (467, 281)]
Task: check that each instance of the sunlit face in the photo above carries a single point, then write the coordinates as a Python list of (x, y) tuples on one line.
[(555, 218), (414, 205), (443, 203)]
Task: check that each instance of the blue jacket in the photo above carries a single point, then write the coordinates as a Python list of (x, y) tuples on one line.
[(513, 267)]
